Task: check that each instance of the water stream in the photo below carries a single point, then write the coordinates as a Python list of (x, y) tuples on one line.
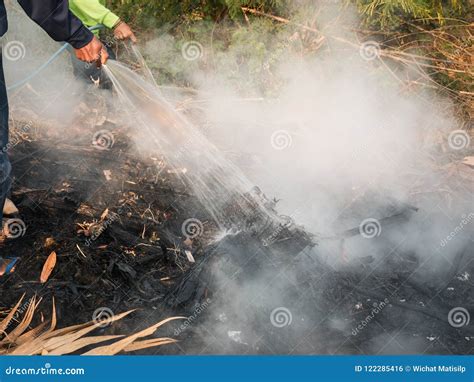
[(160, 128)]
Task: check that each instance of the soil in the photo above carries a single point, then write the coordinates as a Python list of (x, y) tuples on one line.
[(115, 220)]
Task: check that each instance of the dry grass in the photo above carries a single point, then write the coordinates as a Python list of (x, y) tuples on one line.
[(441, 58), (17, 337)]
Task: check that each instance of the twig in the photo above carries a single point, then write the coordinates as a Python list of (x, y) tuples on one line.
[(80, 250), (282, 20)]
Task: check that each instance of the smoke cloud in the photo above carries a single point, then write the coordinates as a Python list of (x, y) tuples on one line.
[(342, 143)]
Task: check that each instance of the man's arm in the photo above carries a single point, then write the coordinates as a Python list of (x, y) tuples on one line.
[(56, 19), (92, 12)]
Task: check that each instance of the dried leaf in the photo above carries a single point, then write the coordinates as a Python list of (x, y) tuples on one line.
[(190, 256), (48, 267), (48, 242), (104, 214), (53, 319), (118, 346), (145, 344), (4, 324), (9, 208), (80, 343), (25, 322), (32, 334), (44, 341), (56, 342), (468, 161), (53, 340), (108, 175)]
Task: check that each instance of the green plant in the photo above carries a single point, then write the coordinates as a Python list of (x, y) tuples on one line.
[(392, 14), (155, 13)]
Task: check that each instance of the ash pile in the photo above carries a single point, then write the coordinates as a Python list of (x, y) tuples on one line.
[(255, 283)]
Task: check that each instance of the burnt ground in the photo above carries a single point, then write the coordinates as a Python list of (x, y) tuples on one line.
[(115, 221)]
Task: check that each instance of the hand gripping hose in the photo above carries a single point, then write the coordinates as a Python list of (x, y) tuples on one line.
[(46, 64)]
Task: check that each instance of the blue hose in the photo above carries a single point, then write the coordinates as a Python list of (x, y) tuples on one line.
[(49, 61)]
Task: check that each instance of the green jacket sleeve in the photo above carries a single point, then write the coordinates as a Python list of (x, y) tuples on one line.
[(93, 12)]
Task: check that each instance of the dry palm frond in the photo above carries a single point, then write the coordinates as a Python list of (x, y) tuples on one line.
[(16, 339)]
